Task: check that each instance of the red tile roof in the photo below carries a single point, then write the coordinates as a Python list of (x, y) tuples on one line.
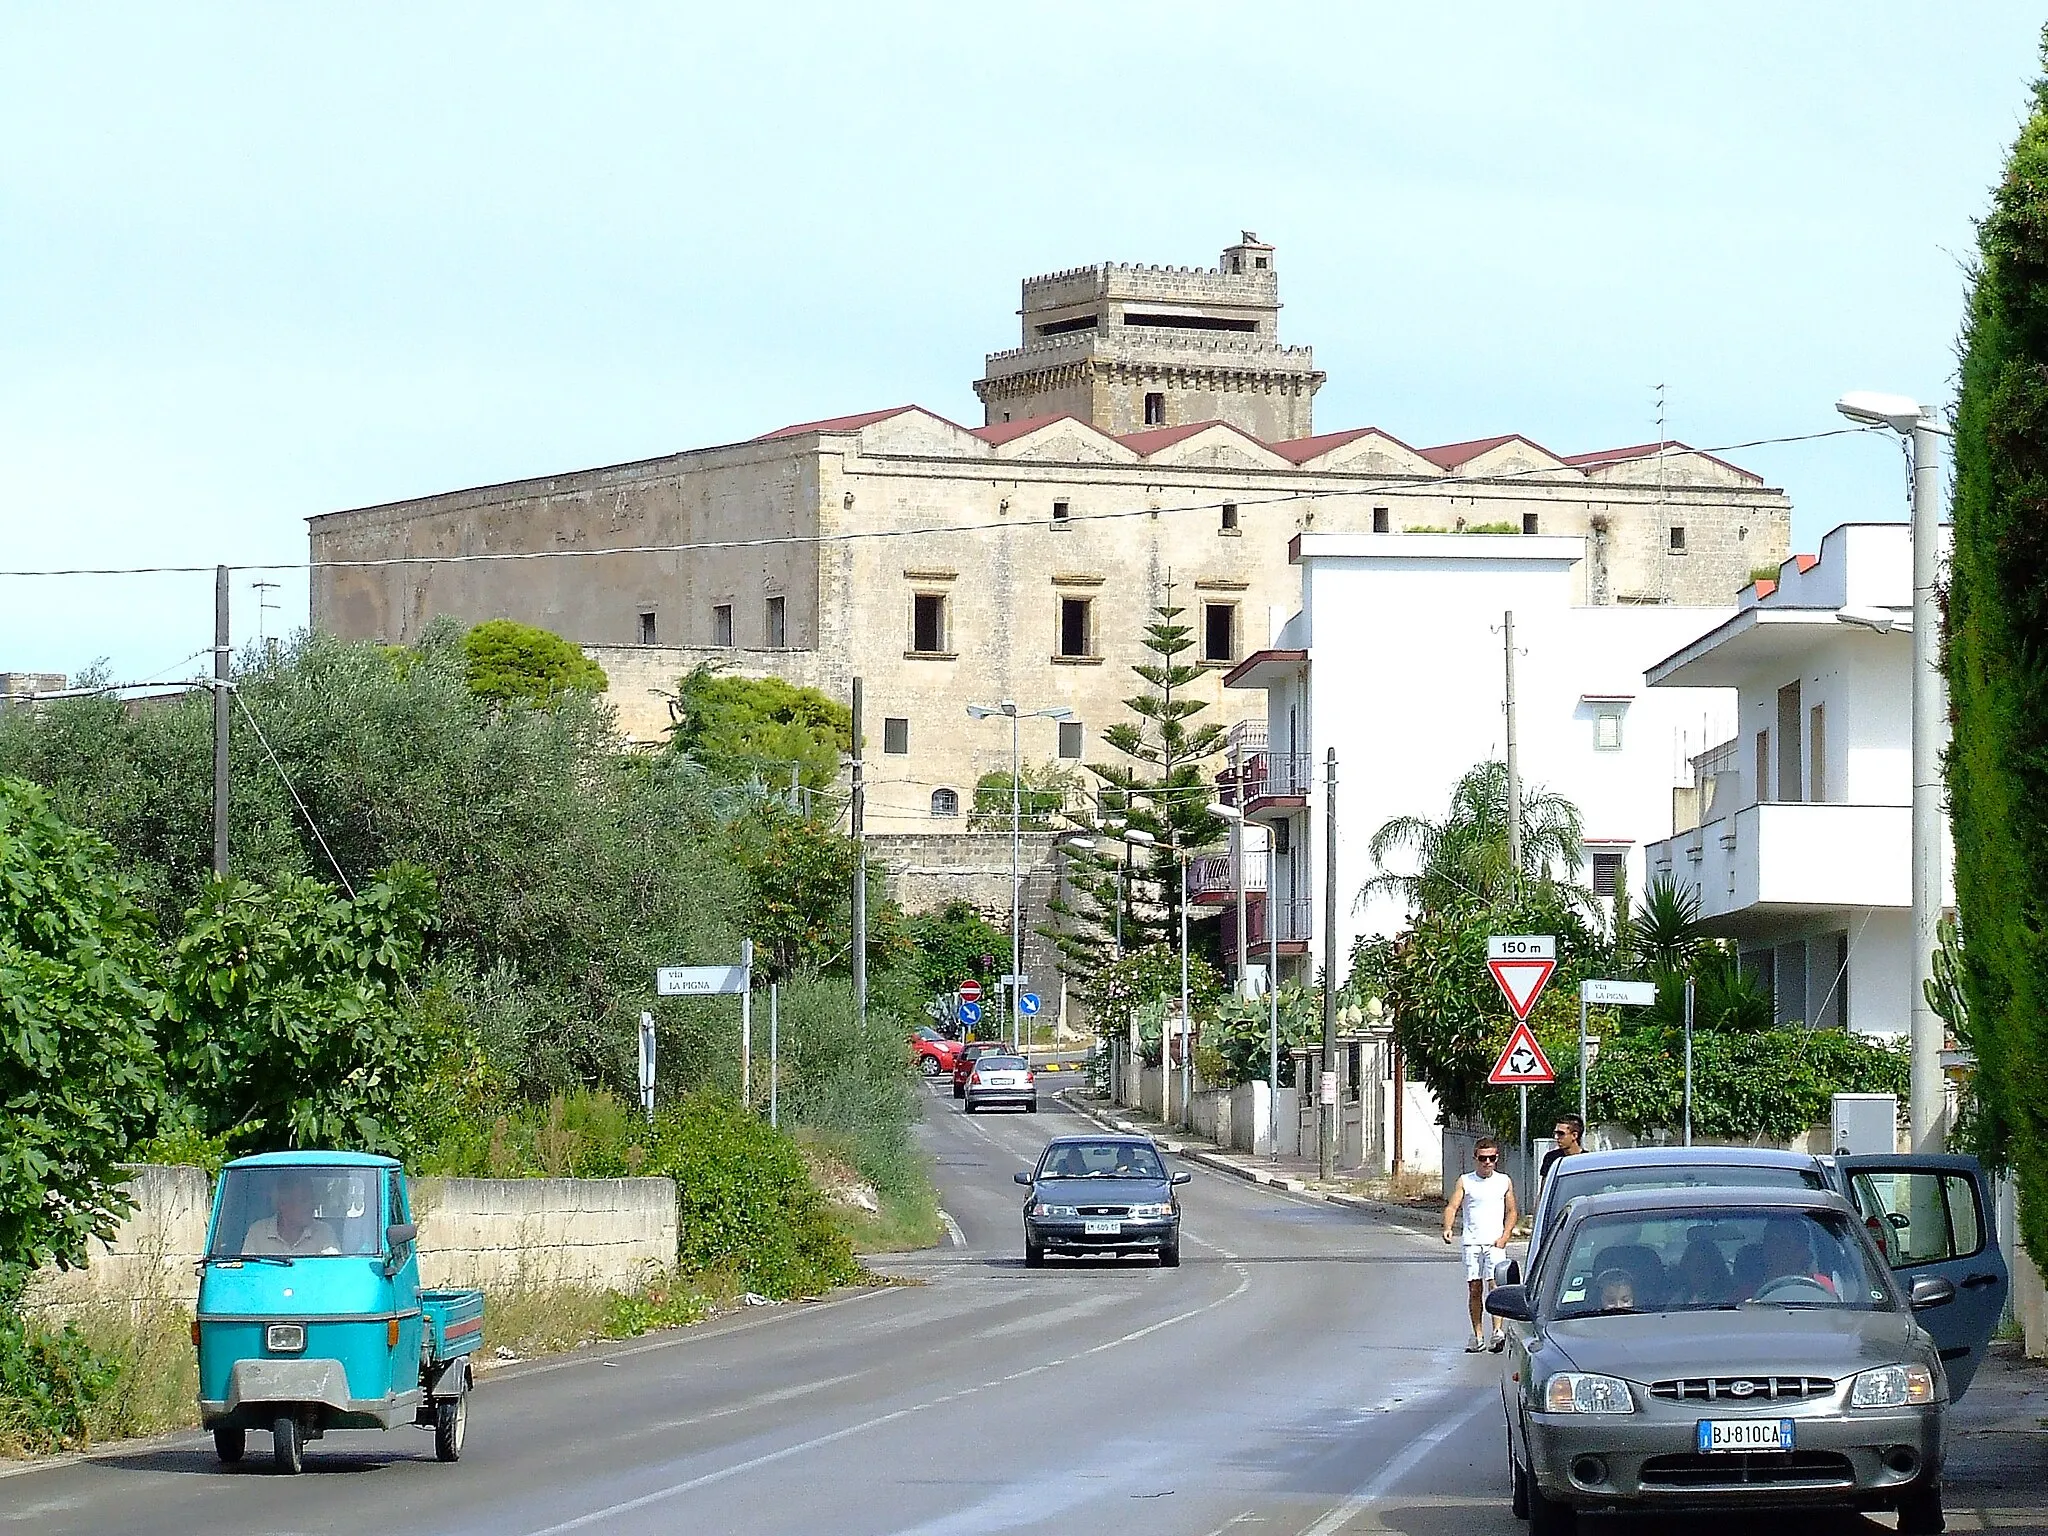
[(1607, 456), (1143, 443), (1009, 431), (1764, 587), (839, 423), (1300, 450), (1806, 562), (1452, 455)]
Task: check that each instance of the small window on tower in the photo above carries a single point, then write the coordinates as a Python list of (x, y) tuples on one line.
[(1230, 517), (1259, 262), (1076, 626), (1062, 511), (778, 624), (895, 735), (647, 626), (928, 623), (1381, 522), (721, 624), (1219, 631), (1155, 410), (1678, 538)]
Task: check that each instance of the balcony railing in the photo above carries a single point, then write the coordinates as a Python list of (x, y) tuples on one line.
[(1276, 776), (1210, 876)]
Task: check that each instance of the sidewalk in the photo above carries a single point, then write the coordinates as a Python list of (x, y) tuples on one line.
[(1295, 1175)]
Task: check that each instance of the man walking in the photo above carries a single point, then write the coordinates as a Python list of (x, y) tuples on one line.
[(1485, 1198), (1570, 1132)]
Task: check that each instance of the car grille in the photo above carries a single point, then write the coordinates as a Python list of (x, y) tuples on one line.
[(1818, 1469), (1742, 1389), (1105, 1210)]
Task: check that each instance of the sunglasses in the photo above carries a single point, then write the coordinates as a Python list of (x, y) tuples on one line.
[(1489, 1157)]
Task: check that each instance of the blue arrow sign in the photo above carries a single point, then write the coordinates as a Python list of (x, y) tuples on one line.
[(1027, 1003), (970, 1013)]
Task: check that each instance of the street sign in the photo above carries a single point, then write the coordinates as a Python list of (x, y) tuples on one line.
[(970, 991), (699, 980), (1522, 1063), (1618, 994), (1019, 980), (1521, 963), (1521, 946), (1027, 1003), (970, 1014)]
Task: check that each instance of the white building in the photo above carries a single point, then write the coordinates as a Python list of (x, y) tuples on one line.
[(1396, 660), (1799, 838)]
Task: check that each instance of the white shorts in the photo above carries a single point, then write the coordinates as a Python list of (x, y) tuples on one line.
[(1480, 1259)]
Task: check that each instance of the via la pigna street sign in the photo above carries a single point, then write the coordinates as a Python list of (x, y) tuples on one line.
[(699, 980), (1522, 1063), (970, 991), (1618, 994), (1521, 963)]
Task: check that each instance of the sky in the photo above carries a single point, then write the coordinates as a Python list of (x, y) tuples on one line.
[(261, 262)]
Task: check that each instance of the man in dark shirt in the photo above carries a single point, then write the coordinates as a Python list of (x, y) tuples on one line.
[(1570, 1132)]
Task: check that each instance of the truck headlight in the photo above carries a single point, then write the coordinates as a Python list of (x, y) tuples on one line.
[(1159, 1209), (284, 1338), (1893, 1386), (1577, 1392)]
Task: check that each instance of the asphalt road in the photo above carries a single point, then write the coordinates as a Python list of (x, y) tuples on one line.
[(1302, 1372)]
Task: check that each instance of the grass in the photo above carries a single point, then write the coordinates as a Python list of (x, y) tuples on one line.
[(547, 1320), (155, 1387), (906, 1214)]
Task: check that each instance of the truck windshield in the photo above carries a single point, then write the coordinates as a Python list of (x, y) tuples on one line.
[(297, 1211)]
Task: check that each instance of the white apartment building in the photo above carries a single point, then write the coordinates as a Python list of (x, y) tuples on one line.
[(1797, 839), (1396, 660)]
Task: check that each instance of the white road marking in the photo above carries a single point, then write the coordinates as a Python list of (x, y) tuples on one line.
[(1393, 1471), (953, 1233)]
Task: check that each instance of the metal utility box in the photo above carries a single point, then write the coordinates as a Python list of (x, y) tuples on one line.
[(1864, 1123)]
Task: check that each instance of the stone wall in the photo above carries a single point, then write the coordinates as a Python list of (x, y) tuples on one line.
[(153, 1255)]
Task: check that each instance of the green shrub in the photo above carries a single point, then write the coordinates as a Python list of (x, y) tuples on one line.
[(49, 1382), (1769, 1085)]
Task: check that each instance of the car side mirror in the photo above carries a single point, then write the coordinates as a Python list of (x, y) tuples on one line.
[(1183, 1178), (1507, 1272), (1899, 1219), (1932, 1291), (399, 1233), (1510, 1302), (1020, 1178)]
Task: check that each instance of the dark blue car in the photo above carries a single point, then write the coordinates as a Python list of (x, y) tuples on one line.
[(1101, 1194)]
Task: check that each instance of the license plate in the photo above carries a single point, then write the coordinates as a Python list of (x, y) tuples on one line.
[(1102, 1229), (1725, 1435)]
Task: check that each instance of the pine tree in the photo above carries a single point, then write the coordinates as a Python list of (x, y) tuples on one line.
[(1160, 788)]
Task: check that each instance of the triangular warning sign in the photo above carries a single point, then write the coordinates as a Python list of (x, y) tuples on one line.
[(1521, 981), (1522, 1062)]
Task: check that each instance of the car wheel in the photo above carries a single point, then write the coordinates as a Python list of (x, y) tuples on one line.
[(928, 1065), (1031, 1107), (1518, 1501), (1547, 1517), (451, 1420), (287, 1447), (1169, 1255), (1034, 1255), (959, 1092), (230, 1444), (1920, 1512)]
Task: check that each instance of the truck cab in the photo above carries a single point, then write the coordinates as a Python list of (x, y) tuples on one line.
[(311, 1315)]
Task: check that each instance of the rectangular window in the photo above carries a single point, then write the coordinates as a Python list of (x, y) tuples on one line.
[(1070, 739), (778, 624), (1816, 753), (1061, 511), (1076, 625), (1763, 767), (1528, 522), (1677, 539), (1219, 631), (1607, 730), (1260, 263), (1155, 410), (928, 623), (895, 735), (1606, 871), (1230, 517), (1381, 523), (721, 624), (1791, 772), (647, 626)]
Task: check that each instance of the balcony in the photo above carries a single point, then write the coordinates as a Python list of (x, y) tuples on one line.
[(1291, 917), (1275, 783), (1766, 865), (1211, 880)]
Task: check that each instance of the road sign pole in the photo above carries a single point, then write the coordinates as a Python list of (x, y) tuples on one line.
[(747, 1024), (1688, 1061), (1582, 1062), (774, 1052), (1528, 1177)]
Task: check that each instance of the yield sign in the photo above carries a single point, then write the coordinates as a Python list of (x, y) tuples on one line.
[(1522, 1063), (1521, 981)]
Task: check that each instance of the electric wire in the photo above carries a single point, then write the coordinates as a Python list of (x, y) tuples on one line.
[(318, 835)]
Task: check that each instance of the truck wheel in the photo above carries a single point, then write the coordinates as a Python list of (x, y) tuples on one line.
[(451, 1418), (287, 1447), (1920, 1512), (229, 1444)]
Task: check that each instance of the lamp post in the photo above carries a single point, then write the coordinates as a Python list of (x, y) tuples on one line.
[(1017, 717), (1928, 1095)]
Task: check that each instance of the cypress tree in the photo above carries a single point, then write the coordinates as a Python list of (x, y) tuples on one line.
[(1996, 637)]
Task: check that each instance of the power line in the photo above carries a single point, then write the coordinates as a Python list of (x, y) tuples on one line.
[(288, 789), (1433, 485)]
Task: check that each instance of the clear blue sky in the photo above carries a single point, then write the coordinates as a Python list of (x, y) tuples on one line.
[(259, 262)]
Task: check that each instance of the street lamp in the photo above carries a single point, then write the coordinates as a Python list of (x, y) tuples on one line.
[(1017, 717), (1928, 1096)]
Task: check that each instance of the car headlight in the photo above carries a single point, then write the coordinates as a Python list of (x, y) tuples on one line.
[(1042, 1209), (1576, 1392), (1159, 1209), (1893, 1386)]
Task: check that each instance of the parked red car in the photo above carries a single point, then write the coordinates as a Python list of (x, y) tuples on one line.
[(935, 1053)]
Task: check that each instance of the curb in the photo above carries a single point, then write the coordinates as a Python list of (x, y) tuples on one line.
[(1218, 1163)]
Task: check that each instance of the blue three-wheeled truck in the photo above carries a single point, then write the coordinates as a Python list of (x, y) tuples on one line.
[(311, 1316)]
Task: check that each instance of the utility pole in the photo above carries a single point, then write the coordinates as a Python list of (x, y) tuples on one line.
[(1514, 764), (1016, 877), (860, 868), (1237, 861), (1326, 1107), (220, 721)]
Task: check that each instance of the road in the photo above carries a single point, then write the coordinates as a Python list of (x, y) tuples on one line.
[(1302, 1372)]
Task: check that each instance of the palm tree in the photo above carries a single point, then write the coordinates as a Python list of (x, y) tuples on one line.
[(1466, 857)]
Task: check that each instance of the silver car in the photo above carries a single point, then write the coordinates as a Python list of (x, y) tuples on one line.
[(1004, 1080), (1721, 1349)]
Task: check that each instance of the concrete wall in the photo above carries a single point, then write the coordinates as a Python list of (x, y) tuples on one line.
[(2030, 1304)]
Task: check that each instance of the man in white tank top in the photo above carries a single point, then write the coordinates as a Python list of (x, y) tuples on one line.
[(1485, 1199)]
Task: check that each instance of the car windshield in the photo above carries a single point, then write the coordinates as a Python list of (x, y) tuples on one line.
[(1101, 1160), (1680, 1260), (1569, 1184), (1003, 1063), (297, 1211)]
